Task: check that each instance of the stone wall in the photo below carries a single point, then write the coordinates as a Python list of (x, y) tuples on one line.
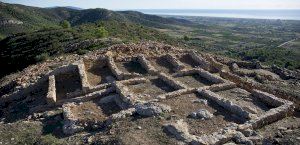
[(215, 66), (175, 62), (176, 93), (272, 116), (202, 73), (249, 86), (83, 76), (71, 123), (117, 72), (204, 64), (51, 95), (227, 104), (113, 67), (126, 99), (220, 87), (146, 64), (173, 83), (267, 98)]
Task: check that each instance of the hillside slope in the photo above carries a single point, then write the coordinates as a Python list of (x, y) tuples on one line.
[(21, 50), (35, 33), (20, 18)]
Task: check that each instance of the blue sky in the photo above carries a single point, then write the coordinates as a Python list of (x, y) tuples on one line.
[(165, 4)]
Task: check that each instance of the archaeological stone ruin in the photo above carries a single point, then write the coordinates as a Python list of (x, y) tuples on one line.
[(194, 97)]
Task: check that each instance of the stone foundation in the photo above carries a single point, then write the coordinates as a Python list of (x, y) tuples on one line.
[(133, 104), (227, 104)]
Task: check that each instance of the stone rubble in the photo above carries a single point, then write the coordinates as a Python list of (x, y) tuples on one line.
[(201, 114), (201, 101), (151, 109)]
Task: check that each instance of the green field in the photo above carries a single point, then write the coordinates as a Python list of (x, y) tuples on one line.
[(245, 39)]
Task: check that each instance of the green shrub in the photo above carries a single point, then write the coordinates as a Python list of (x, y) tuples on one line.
[(65, 24), (101, 32), (50, 140), (2, 37), (186, 38), (82, 51), (42, 57)]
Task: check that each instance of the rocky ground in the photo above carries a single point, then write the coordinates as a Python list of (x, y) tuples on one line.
[(149, 93)]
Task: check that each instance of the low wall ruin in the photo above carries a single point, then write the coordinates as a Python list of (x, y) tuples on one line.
[(204, 64), (51, 95), (176, 63), (173, 83), (146, 64)]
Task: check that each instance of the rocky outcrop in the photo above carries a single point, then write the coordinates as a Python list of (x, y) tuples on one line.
[(11, 22)]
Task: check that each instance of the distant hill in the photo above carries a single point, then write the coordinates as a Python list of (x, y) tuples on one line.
[(19, 18), (70, 7)]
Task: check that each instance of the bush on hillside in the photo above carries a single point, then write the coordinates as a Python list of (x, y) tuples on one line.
[(186, 38), (65, 24), (101, 32), (42, 57)]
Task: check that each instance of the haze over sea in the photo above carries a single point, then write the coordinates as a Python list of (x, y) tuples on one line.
[(282, 14)]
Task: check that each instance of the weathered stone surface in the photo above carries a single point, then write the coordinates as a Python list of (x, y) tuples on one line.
[(133, 105), (201, 114), (108, 99), (227, 104), (180, 131), (71, 124), (176, 63), (51, 95), (202, 101), (172, 82), (151, 109), (204, 64), (241, 139), (146, 64), (83, 77), (123, 114)]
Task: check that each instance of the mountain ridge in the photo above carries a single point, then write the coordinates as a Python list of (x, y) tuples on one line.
[(35, 18)]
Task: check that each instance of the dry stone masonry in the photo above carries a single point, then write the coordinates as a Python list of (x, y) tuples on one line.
[(145, 94)]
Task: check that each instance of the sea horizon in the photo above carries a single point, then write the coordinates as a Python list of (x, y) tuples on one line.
[(282, 14)]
